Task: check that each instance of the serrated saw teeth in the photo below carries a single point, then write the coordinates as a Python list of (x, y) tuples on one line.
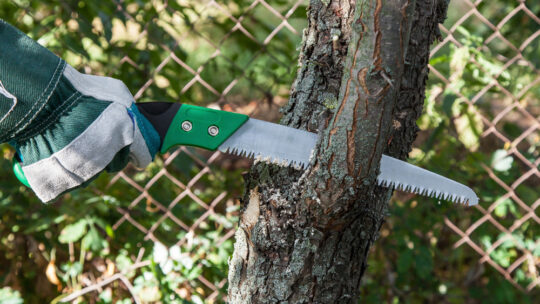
[(400, 175), (284, 146), (271, 143), (258, 157), (422, 191)]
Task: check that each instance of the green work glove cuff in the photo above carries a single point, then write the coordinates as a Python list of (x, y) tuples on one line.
[(67, 127), (29, 74)]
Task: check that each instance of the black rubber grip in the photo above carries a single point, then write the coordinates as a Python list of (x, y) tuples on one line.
[(160, 114)]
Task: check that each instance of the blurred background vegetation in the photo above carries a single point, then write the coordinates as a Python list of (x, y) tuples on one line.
[(164, 235)]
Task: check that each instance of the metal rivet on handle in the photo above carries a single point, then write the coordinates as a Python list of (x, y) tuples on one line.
[(187, 126), (213, 130)]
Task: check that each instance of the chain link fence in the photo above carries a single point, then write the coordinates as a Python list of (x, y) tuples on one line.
[(206, 33), (233, 56), (498, 102)]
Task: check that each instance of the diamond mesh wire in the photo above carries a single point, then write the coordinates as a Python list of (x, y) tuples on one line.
[(154, 209), (519, 104)]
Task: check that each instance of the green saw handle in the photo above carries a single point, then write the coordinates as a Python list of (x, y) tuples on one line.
[(188, 125)]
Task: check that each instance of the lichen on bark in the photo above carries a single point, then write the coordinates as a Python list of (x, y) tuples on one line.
[(313, 229)]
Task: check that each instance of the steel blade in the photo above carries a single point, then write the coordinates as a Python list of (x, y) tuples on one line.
[(292, 147), (271, 142), (404, 176)]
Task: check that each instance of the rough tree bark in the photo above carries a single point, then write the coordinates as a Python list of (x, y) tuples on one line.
[(304, 236)]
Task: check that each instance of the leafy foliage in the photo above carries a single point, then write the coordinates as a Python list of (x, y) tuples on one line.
[(157, 48), (48, 251), (416, 259)]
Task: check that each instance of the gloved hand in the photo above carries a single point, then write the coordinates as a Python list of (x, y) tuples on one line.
[(66, 126)]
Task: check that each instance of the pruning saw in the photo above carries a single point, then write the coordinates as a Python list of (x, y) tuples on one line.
[(238, 134)]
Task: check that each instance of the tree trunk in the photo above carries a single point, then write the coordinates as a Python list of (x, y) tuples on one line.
[(304, 236)]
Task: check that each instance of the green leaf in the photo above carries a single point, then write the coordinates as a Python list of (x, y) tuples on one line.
[(150, 294), (502, 208), (404, 261), (423, 262), (469, 127), (9, 296), (106, 296), (107, 25), (197, 300), (536, 251), (160, 253), (439, 59), (72, 233), (109, 230), (501, 161), (528, 194), (123, 262), (72, 269), (194, 273), (448, 102), (458, 61), (93, 240)]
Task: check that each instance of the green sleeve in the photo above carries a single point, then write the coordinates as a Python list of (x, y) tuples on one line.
[(29, 73)]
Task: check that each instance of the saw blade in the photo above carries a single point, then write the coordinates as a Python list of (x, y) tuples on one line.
[(287, 146), (409, 178), (272, 143)]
